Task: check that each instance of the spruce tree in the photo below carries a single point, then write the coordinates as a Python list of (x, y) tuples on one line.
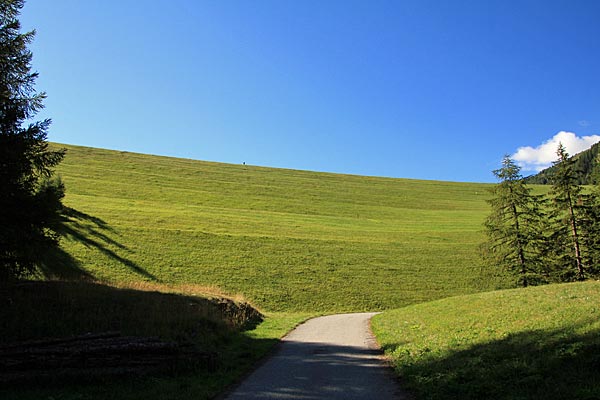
[(30, 200), (568, 212), (513, 226), (590, 225)]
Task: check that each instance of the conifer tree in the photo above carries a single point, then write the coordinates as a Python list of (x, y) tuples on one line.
[(568, 210), (513, 226), (29, 199), (590, 225)]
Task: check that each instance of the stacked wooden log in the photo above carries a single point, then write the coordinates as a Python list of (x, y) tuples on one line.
[(93, 356)]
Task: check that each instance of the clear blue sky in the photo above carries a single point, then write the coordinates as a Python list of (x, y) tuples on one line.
[(407, 88)]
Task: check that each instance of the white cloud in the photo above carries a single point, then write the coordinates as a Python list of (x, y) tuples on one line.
[(542, 156)]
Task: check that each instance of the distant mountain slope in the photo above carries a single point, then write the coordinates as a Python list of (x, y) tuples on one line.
[(585, 164)]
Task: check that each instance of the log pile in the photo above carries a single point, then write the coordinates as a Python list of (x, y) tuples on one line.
[(93, 356)]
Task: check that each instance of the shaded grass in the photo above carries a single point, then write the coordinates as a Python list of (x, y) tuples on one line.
[(36, 310), (534, 343), (288, 240)]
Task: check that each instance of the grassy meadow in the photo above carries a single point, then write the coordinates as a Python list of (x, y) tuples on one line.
[(292, 243), (286, 240), (296, 244), (534, 343)]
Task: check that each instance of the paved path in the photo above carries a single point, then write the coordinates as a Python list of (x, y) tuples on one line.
[(332, 357)]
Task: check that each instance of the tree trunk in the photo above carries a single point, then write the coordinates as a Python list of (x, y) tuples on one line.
[(520, 251), (575, 235)]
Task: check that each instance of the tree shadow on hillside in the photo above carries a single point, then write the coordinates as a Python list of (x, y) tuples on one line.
[(92, 232), (58, 264), (537, 364)]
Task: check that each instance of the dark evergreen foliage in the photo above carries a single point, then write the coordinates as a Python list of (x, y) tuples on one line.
[(553, 238), (567, 209), (590, 237), (29, 199), (513, 228)]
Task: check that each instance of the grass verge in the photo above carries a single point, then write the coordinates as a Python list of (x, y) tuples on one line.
[(534, 343)]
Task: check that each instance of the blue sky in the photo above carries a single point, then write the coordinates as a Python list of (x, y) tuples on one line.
[(412, 89)]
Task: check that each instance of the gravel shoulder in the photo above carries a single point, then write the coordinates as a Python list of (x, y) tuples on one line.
[(331, 357)]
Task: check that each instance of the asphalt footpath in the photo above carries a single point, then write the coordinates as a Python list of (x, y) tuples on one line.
[(331, 357)]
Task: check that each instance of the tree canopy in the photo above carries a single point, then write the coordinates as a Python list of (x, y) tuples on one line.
[(30, 200), (513, 226), (543, 238)]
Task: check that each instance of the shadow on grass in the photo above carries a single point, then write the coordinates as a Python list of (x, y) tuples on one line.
[(41, 309), (539, 364), (58, 264), (92, 232), (36, 310)]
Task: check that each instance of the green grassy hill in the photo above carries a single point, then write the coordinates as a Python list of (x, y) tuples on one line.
[(534, 343), (306, 243), (287, 240)]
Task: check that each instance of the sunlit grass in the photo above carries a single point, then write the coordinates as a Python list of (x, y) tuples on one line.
[(534, 343), (286, 240)]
